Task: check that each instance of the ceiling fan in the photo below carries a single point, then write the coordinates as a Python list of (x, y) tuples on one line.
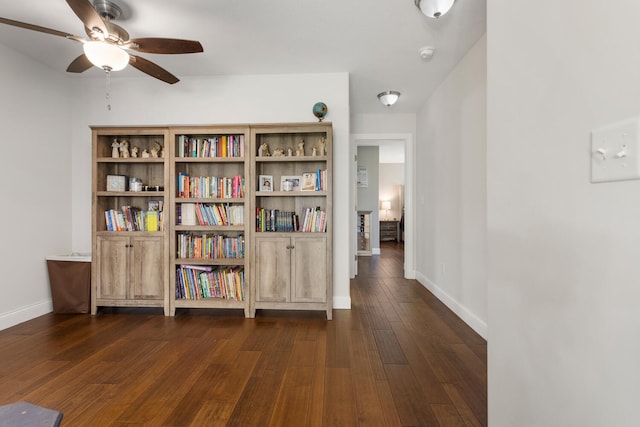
[(108, 43)]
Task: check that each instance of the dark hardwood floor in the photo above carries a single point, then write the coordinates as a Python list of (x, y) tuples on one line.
[(398, 358)]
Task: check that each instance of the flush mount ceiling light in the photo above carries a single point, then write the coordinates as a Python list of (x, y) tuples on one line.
[(434, 8), (105, 55), (389, 97)]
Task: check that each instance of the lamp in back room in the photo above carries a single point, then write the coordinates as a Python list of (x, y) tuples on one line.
[(385, 205)]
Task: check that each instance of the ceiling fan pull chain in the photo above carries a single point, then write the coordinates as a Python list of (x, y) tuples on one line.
[(108, 89)]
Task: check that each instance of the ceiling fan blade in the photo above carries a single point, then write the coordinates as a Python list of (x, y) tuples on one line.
[(162, 45), (80, 64), (152, 69), (39, 29), (88, 15)]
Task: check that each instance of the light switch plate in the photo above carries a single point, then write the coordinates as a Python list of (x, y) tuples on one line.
[(614, 152)]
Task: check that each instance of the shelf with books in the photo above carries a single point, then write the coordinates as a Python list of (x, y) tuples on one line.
[(291, 233), (130, 243), (209, 172)]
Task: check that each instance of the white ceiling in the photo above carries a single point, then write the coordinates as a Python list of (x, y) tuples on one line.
[(375, 41)]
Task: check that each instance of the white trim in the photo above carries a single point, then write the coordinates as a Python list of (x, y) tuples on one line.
[(459, 309), (23, 314), (375, 251), (342, 303)]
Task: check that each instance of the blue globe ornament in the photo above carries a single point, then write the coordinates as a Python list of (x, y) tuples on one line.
[(320, 110)]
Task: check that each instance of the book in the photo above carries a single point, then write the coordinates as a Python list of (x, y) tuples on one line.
[(188, 214)]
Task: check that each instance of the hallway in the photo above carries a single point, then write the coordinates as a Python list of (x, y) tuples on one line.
[(436, 366)]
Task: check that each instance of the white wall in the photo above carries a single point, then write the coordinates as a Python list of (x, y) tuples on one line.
[(35, 179), (451, 190), (564, 270), (216, 100)]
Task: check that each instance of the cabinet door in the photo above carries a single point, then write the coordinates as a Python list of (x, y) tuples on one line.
[(273, 269), (309, 269), (113, 257), (147, 268)]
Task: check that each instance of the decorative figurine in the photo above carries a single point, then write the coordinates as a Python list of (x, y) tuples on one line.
[(124, 149), (134, 151), (314, 151), (300, 148), (322, 147), (145, 154), (155, 150), (289, 152), (115, 148), (263, 150), (278, 152)]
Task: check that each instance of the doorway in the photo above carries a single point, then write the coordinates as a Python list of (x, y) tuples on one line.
[(402, 210)]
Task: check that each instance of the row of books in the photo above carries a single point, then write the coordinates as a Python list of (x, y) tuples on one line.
[(195, 282), (209, 246), (133, 219), (210, 186), (314, 181), (314, 220), (212, 146), (275, 220), (209, 214)]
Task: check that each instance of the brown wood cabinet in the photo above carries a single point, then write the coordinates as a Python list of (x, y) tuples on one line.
[(130, 270), (389, 231), (291, 270)]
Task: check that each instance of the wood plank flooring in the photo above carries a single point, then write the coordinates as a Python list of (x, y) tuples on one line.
[(398, 358)]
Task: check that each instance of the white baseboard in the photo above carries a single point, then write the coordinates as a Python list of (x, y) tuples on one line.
[(375, 251), (342, 303), (460, 310), (22, 314)]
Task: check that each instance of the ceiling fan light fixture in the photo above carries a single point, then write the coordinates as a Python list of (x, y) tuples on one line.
[(106, 55), (434, 8), (389, 97)]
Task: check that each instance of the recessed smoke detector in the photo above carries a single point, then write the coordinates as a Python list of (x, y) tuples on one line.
[(426, 52)]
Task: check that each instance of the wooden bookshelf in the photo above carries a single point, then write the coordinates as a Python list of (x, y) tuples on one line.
[(206, 154), (292, 270), (129, 266)]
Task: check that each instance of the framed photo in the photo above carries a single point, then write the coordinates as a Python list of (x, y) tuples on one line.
[(290, 183), (266, 182), (308, 182)]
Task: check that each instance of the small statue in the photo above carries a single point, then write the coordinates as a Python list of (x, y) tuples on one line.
[(263, 150), (300, 148), (322, 147), (278, 152), (289, 152), (155, 150), (145, 154), (134, 151), (124, 149), (115, 148), (314, 151)]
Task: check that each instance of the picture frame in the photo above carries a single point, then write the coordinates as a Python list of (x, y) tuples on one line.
[(308, 182), (266, 182), (295, 182)]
